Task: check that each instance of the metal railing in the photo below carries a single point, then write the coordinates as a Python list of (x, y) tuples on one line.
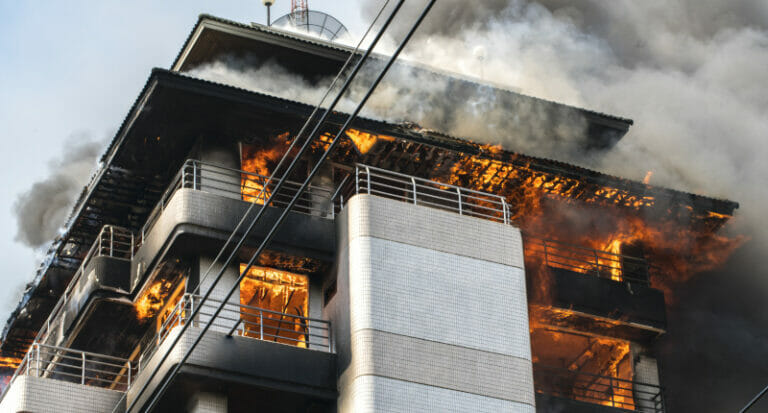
[(238, 184), (112, 242), (602, 264), (245, 321), (75, 366), (420, 191), (596, 389)]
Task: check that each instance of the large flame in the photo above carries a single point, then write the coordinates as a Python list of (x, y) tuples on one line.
[(258, 162), (285, 295), (543, 205), (153, 299)]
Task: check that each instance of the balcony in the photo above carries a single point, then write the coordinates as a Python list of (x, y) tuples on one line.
[(595, 286), (574, 391), (418, 191), (245, 346), (67, 380), (105, 269)]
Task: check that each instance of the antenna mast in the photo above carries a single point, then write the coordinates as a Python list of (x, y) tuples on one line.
[(299, 9)]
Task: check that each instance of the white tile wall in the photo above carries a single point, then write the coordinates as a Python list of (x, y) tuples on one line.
[(41, 395)]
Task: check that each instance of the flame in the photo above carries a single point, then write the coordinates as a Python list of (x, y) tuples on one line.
[(647, 178), (152, 300), (257, 162), (606, 219), (364, 141), (9, 362), (285, 295)]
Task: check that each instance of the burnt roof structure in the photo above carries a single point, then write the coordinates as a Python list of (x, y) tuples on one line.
[(174, 110)]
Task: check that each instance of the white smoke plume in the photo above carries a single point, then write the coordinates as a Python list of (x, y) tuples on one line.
[(43, 210)]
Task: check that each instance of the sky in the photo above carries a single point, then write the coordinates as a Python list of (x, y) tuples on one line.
[(69, 72)]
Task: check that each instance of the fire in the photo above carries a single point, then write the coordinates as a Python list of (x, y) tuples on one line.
[(364, 141), (153, 299), (9, 362), (606, 219), (647, 178), (285, 295), (257, 162)]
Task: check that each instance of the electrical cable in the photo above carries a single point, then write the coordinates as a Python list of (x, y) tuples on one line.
[(268, 238)]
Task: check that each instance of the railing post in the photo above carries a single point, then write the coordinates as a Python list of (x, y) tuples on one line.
[(111, 241), (413, 182), (368, 178), (458, 192), (128, 365), (546, 256), (82, 372), (194, 175), (613, 395), (357, 179), (37, 360), (261, 325), (505, 211), (597, 262)]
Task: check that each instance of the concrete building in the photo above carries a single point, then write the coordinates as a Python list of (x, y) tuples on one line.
[(420, 272)]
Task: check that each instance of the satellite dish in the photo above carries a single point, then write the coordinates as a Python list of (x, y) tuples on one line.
[(314, 23)]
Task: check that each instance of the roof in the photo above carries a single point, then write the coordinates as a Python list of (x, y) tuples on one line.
[(259, 33)]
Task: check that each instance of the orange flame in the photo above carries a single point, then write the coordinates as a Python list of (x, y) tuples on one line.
[(281, 292), (258, 162), (364, 141), (153, 299), (9, 362), (647, 178)]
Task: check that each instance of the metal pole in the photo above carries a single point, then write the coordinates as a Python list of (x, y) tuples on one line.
[(261, 325), (268, 238), (458, 192), (754, 400), (413, 182), (82, 372)]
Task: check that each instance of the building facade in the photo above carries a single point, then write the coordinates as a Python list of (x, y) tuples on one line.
[(419, 272)]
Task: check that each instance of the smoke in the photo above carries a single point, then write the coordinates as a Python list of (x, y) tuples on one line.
[(409, 93), (691, 75), (43, 210)]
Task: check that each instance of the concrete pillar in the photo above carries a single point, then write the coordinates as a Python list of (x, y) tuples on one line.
[(218, 171), (203, 402), (647, 372), (438, 318), (230, 315)]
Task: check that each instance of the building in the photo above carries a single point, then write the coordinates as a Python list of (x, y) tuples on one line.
[(421, 272)]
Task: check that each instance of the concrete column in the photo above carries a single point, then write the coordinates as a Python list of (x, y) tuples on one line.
[(646, 371), (213, 177), (203, 402), (438, 318), (229, 316)]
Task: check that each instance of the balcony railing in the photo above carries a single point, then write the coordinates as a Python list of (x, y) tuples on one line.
[(245, 321), (420, 191), (112, 242), (602, 264), (596, 389), (242, 185), (75, 366)]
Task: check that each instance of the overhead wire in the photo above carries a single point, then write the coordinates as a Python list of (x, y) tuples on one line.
[(263, 208), (268, 238)]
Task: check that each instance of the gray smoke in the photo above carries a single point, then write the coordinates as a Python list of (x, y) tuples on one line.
[(691, 73), (43, 210)]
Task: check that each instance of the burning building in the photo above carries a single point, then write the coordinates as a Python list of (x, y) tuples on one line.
[(421, 271)]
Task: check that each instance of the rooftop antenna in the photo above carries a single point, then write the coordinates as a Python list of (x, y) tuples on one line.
[(269, 4), (299, 9)]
